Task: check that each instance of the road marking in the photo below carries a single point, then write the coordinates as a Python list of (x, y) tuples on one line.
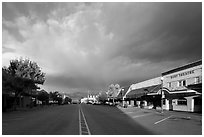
[(162, 120), (83, 126), (79, 123)]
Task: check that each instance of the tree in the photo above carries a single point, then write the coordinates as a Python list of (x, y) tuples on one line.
[(102, 97), (43, 96), (22, 76), (6, 80), (113, 91), (67, 100), (56, 97)]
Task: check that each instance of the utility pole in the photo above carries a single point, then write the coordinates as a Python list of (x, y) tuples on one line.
[(162, 94)]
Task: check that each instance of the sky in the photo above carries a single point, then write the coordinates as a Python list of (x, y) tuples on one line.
[(88, 46)]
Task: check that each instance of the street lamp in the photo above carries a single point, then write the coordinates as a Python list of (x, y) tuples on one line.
[(162, 79)]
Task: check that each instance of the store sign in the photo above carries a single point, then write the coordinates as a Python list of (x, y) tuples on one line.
[(182, 74)]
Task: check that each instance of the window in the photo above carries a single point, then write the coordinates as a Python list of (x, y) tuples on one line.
[(182, 101), (181, 83), (169, 84), (197, 80), (184, 82)]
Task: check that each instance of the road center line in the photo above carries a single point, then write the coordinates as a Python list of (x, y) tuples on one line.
[(83, 126), (162, 120), (79, 123)]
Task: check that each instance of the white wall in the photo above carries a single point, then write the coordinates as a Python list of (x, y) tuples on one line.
[(175, 77)]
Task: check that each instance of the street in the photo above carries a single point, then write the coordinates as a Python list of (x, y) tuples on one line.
[(168, 122), (54, 120), (84, 119)]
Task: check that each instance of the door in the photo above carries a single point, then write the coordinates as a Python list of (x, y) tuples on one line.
[(170, 105)]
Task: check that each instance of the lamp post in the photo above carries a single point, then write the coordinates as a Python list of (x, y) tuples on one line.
[(122, 89), (162, 78)]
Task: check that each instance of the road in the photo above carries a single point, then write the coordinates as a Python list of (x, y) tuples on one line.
[(168, 122), (54, 120), (71, 120)]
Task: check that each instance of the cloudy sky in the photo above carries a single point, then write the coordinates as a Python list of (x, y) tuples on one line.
[(88, 46)]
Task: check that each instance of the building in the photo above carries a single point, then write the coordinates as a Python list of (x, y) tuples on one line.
[(92, 98), (177, 89), (182, 88), (137, 93)]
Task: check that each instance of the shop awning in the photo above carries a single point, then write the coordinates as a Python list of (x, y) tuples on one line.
[(176, 93), (196, 87), (181, 93), (137, 93)]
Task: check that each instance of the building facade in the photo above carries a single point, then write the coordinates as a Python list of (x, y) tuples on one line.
[(137, 93), (178, 89), (177, 83)]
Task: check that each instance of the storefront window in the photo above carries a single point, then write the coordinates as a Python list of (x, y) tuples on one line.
[(182, 101)]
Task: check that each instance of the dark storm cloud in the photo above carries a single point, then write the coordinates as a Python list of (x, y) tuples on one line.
[(172, 31)]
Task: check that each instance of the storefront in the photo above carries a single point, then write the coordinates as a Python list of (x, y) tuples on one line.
[(137, 94), (183, 88)]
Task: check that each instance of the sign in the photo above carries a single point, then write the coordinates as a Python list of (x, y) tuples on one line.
[(182, 74)]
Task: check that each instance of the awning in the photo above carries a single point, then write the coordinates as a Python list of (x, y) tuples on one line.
[(196, 87), (181, 93), (137, 93), (171, 94)]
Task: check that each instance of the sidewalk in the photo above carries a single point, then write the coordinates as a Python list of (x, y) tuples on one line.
[(168, 122)]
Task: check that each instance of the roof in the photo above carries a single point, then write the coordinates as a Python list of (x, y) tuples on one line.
[(190, 65), (123, 92), (136, 93)]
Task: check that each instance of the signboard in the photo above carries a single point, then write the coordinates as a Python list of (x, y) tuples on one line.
[(182, 74)]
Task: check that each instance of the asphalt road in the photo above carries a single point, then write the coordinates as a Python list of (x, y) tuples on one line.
[(65, 120), (54, 120), (168, 122), (108, 120)]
